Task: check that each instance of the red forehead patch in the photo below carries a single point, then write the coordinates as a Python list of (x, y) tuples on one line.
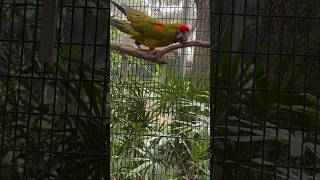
[(183, 27), (160, 27)]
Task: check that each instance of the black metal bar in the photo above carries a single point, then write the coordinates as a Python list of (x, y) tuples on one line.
[(106, 112), (228, 90), (237, 169), (7, 85), (279, 94), (293, 69), (47, 37), (254, 84), (214, 6)]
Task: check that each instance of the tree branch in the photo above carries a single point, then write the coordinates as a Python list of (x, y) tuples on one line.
[(156, 58)]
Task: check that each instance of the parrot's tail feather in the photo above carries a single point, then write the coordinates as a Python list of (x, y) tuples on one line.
[(121, 8), (119, 24), (123, 26)]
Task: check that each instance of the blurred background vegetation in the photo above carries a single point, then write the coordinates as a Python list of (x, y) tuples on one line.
[(53, 116), (266, 89)]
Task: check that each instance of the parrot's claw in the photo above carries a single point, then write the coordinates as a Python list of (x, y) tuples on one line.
[(183, 43), (138, 45), (155, 52)]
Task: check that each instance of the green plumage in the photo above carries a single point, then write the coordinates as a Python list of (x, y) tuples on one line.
[(144, 29)]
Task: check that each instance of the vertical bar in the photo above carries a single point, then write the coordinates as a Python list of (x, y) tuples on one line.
[(163, 73), (214, 66), (66, 102), (92, 81), (277, 147), (237, 24), (25, 167), (184, 51), (241, 88), (106, 103), (228, 90), (13, 8), (125, 65), (82, 58), (253, 108), (55, 89), (48, 29), (4, 115), (307, 58), (292, 91), (267, 79)]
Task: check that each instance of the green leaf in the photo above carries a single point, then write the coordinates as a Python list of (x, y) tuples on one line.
[(138, 169)]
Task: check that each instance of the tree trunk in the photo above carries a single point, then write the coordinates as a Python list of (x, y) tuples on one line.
[(289, 35), (201, 60), (294, 30)]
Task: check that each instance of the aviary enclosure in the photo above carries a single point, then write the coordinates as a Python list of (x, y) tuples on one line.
[(79, 99), (160, 108)]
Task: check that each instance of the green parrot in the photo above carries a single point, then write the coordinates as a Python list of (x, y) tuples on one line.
[(149, 31)]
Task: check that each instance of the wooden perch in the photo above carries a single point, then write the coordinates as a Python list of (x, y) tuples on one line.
[(156, 58)]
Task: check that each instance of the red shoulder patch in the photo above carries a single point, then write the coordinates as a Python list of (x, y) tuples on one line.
[(160, 27)]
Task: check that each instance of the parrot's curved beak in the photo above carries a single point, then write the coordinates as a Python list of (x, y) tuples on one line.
[(182, 37)]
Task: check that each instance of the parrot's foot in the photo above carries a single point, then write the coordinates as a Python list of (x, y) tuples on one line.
[(155, 52), (183, 42), (138, 44)]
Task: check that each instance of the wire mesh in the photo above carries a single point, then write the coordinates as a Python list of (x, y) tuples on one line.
[(54, 116), (160, 113), (265, 89), (264, 94)]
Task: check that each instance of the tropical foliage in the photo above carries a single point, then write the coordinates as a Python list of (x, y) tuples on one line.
[(265, 112), (53, 115)]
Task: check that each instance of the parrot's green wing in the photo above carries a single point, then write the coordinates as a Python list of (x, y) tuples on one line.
[(137, 17), (124, 26), (144, 24)]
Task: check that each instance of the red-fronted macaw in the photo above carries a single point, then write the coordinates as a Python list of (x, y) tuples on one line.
[(149, 31)]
